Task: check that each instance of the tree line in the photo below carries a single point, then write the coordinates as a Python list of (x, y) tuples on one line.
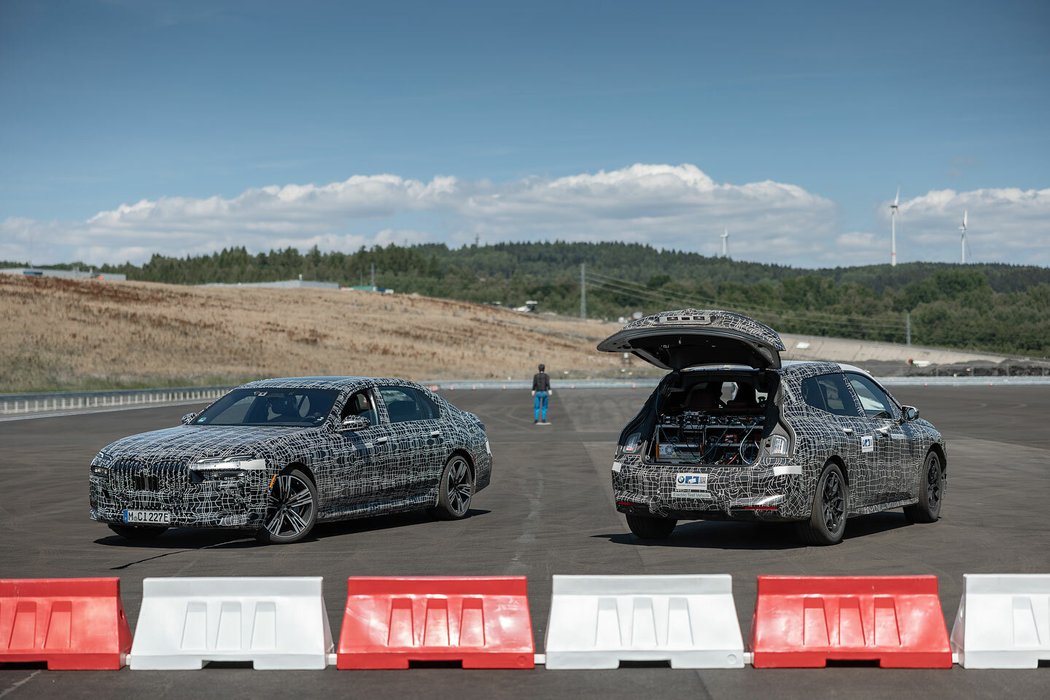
[(990, 307)]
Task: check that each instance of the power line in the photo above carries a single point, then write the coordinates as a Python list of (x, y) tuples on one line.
[(614, 285), (642, 291)]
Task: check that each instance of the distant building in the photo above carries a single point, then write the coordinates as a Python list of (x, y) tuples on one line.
[(65, 274), (369, 288), (283, 284)]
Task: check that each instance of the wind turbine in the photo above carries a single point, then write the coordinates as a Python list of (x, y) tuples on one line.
[(962, 239), (725, 243), (893, 227)]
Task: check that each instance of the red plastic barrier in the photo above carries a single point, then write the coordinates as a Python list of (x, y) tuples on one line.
[(482, 622), (71, 624), (806, 621)]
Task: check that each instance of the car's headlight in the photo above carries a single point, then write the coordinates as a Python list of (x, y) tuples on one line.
[(778, 446), (101, 463), (226, 468)]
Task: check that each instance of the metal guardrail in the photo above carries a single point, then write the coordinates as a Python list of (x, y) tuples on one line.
[(12, 405), (21, 404)]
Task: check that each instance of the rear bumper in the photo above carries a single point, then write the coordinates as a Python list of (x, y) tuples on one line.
[(762, 492)]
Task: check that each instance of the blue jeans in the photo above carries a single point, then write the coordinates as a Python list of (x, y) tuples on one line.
[(539, 403)]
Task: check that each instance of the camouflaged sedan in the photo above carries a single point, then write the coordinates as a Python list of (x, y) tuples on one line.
[(732, 433), (279, 455)]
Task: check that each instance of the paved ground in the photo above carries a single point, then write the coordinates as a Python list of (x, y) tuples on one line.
[(548, 511)]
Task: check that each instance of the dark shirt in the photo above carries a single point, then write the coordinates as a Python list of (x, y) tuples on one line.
[(541, 382)]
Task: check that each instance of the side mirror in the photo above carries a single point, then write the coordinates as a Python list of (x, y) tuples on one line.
[(911, 413), (354, 423), (188, 418)]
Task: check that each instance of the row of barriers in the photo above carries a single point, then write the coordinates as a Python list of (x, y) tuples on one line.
[(596, 622)]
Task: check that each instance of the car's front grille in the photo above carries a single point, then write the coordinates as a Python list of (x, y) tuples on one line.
[(163, 476)]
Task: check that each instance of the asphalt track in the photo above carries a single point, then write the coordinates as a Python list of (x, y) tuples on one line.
[(547, 512)]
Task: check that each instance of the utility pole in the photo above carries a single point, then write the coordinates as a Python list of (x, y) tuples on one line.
[(907, 328), (583, 290)]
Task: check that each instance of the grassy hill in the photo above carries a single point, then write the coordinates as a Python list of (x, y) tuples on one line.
[(72, 335), (983, 307)]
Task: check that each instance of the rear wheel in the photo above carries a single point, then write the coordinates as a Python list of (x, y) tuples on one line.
[(931, 492), (455, 489), (138, 532), (651, 528), (827, 524), (292, 509)]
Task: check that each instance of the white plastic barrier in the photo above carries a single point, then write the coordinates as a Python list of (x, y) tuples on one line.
[(599, 621), (274, 623), (1003, 621)]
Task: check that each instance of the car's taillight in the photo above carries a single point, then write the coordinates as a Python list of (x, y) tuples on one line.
[(778, 446)]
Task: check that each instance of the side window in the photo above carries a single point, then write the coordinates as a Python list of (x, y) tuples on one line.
[(403, 403), (829, 393), (876, 402), (361, 404)]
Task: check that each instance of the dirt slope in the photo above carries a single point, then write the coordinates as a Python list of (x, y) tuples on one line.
[(66, 334)]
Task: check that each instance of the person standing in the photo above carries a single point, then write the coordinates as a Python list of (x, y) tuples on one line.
[(541, 391)]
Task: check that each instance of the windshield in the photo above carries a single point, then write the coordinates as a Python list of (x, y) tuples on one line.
[(296, 407)]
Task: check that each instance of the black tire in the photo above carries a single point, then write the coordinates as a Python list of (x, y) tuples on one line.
[(931, 492), (827, 524), (651, 528), (291, 509), (455, 489), (138, 532)]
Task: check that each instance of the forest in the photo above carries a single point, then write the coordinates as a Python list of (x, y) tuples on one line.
[(989, 307)]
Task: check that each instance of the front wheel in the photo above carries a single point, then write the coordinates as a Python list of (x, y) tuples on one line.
[(138, 532), (931, 493), (651, 528), (291, 509), (455, 489), (827, 524)]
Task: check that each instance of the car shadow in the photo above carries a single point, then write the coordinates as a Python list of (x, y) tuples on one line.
[(716, 534), (382, 522), (185, 539)]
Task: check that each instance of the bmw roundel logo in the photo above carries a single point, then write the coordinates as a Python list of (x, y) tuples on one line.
[(681, 478)]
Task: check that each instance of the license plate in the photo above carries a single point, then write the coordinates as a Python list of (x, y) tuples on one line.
[(147, 517), (690, 482)]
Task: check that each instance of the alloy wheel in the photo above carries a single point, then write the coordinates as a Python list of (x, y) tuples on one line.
[(933, 483), (290, 507), (459, 486), (833, 503)]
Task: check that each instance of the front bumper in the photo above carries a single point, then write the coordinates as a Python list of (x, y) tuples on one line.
[(767, 491), (191, 502)]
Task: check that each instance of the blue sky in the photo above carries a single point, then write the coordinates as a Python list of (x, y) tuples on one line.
[(130, 127)]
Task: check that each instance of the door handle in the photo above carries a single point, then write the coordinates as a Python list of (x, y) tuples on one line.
[(883, 431), (382, 440), (435, 433), (848, 431)]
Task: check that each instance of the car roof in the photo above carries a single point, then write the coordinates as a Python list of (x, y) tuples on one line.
[(815, 367), (337, 383)]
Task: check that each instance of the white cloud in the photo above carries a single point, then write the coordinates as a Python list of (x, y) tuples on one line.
[(668, 206), (1004, 225)]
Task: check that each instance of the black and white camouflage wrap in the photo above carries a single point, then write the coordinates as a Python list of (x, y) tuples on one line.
[(882, 458), (357, 473)]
